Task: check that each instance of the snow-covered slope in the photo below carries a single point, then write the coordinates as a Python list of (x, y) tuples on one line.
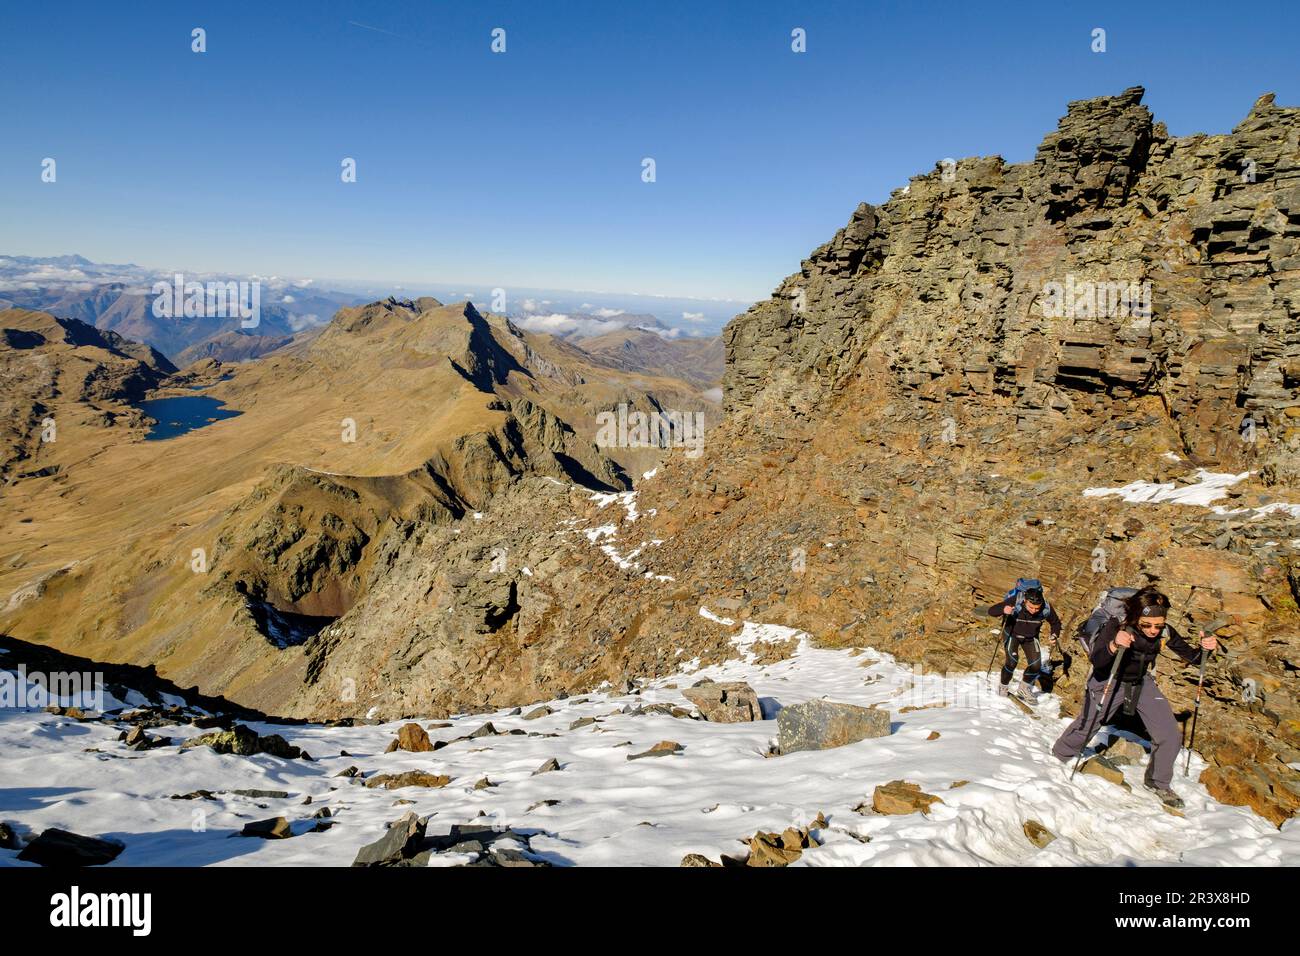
[(718, 790)]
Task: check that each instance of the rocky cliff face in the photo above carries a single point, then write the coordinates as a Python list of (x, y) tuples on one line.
[(1120, 263)]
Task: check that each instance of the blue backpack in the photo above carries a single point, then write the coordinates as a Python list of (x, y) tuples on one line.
[(1016, 595)]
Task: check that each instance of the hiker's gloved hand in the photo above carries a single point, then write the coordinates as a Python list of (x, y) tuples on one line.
[(1209, 642)]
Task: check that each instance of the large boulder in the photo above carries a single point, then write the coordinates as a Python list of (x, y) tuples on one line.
[(411, 737), (822, 724), (243, 741), (62, 848), (731, 702)]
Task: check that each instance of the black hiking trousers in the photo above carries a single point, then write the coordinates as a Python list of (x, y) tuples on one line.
[(1156, 714), (1011, 647)]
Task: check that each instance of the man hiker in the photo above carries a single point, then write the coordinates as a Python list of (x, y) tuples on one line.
[(1139, 633), (1021, 622)]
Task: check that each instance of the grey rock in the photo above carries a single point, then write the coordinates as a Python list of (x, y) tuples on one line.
[(822, 724), (402, 840), (62, 848), (729, 703)]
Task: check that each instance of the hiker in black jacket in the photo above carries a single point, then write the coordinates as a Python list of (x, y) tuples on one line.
[(1144, 628), (1020, 631)]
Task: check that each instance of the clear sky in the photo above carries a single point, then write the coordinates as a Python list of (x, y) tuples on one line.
[(525, 167)]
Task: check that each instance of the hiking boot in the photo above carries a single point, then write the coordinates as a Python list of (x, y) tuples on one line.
[(1167, 796), (1002, 690), (1027, 693)]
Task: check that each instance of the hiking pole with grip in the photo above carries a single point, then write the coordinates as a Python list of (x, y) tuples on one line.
[(1200, 682), (1101, 708)]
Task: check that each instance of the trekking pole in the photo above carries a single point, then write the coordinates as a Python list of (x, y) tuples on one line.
[(1196, 708), (989, 669), (1101, 709)]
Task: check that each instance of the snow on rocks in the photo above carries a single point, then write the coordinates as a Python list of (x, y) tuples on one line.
[(710, 616), (605, 536), (990, 767), (1208, 487)]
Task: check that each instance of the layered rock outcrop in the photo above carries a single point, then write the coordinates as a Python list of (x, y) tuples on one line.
[(1121, 262)]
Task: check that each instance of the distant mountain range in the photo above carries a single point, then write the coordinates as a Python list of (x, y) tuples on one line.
[(120, 297)]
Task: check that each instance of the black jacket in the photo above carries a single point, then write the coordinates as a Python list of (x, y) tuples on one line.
[(1026, 626), (1140, 655)]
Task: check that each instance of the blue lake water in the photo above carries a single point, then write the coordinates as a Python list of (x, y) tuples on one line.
[(176, 416)]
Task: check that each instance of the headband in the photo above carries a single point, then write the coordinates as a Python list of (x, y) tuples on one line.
[(1154, 611)]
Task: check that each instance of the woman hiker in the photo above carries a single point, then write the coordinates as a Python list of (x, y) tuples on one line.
[(1141, 632)]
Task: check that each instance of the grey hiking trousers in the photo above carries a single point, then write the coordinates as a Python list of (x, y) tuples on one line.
[(1156, 714)]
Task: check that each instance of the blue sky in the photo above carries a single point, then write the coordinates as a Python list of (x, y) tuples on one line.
[(524, 168)]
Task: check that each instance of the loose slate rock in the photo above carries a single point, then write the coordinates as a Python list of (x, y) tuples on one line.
[(731, 702), (411, 778), (822, 724), (55, 847), (137, 739), (1124, 752), (401, 841), (262, 794), (1101, 767), (276, 828), (901, 797), (542, 711), (547, 767), (664, 748)]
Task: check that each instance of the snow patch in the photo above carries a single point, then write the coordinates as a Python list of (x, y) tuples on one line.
[(1209, 487), (709, 615)]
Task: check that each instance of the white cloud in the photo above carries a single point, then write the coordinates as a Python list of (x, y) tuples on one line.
[(306, 320), (558, 323), (608, 313), (693, 316)]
